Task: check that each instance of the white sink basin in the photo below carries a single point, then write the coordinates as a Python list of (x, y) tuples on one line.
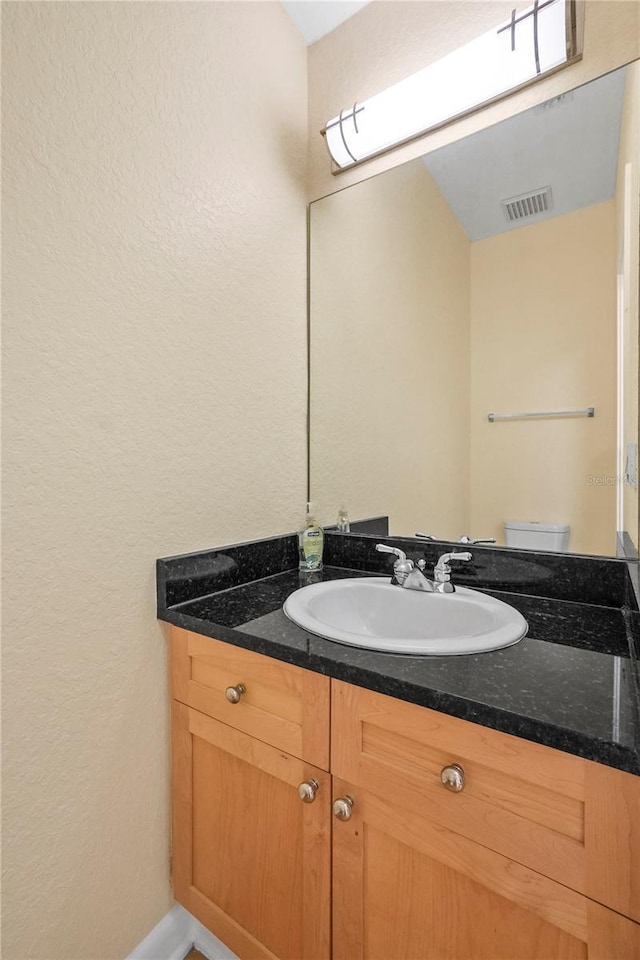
[(372, 612)]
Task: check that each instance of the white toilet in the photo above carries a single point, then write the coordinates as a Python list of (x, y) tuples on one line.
[(531, 535)]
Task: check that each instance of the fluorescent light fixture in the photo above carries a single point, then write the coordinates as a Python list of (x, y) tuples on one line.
[(530, 45)]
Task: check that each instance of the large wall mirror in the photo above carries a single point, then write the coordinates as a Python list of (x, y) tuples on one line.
[(496, 275)]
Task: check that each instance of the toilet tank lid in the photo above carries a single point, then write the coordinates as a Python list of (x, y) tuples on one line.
[(535, 525)]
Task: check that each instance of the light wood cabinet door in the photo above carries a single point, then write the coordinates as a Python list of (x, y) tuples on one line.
[(250, 860), (410, 889)]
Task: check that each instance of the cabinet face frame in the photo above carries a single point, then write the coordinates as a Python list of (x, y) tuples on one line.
[(313, 854)]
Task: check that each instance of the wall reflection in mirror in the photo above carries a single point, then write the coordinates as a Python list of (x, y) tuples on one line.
[(498, 274)]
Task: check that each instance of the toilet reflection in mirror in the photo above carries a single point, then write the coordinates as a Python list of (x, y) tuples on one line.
[(498, 274)]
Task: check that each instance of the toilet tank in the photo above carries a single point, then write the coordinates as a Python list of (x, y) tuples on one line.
[(531, 535)]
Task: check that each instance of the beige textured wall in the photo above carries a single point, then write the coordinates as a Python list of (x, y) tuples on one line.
[(545, 295), (628, 245), (390, 354), (154, 292), (387, 41)]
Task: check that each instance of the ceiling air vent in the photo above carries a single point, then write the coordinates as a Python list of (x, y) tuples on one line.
[(527, 205)]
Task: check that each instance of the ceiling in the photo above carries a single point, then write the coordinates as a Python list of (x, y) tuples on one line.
[(315, 18), (569, 143)]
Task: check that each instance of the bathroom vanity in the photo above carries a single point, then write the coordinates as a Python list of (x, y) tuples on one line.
[(338, 802)]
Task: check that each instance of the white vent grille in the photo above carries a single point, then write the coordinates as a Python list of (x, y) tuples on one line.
[(527, 205)]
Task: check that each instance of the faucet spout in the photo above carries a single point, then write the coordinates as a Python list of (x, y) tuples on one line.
[(416, 580)]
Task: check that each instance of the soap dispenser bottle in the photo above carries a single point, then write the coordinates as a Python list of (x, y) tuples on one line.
[(310, 544), (343, 524)]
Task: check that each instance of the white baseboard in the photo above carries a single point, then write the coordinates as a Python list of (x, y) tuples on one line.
[(175, 935)]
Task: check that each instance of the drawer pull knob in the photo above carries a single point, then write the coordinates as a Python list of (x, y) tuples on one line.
[(453, 777), (342, 807), (233, 694), (307, 791)]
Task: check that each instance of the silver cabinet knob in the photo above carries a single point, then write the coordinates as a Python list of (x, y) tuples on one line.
[(307, 791), (342, 807), (233, 694), (453, 777)]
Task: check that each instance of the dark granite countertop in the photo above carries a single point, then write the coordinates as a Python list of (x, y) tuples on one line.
[(573, 683)]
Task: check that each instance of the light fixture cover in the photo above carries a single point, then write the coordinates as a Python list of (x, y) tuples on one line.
[(534, 42)]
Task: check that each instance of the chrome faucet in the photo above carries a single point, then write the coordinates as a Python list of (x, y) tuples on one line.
[(442, 571), (411, 577), (465, 539)]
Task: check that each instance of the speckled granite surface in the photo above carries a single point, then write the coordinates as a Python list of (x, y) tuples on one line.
[(573, 683), (593, 580)]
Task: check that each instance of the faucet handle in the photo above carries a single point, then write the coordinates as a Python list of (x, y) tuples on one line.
[(442, 571), (402, 567), (383, 548), (442, 567), (466, 539), (447, 557)]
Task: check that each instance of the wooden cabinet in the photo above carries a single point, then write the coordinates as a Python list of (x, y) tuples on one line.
[(536, 858), (508, 868)]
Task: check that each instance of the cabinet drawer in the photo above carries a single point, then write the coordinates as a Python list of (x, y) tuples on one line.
[(281, 704), (560, 815)]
